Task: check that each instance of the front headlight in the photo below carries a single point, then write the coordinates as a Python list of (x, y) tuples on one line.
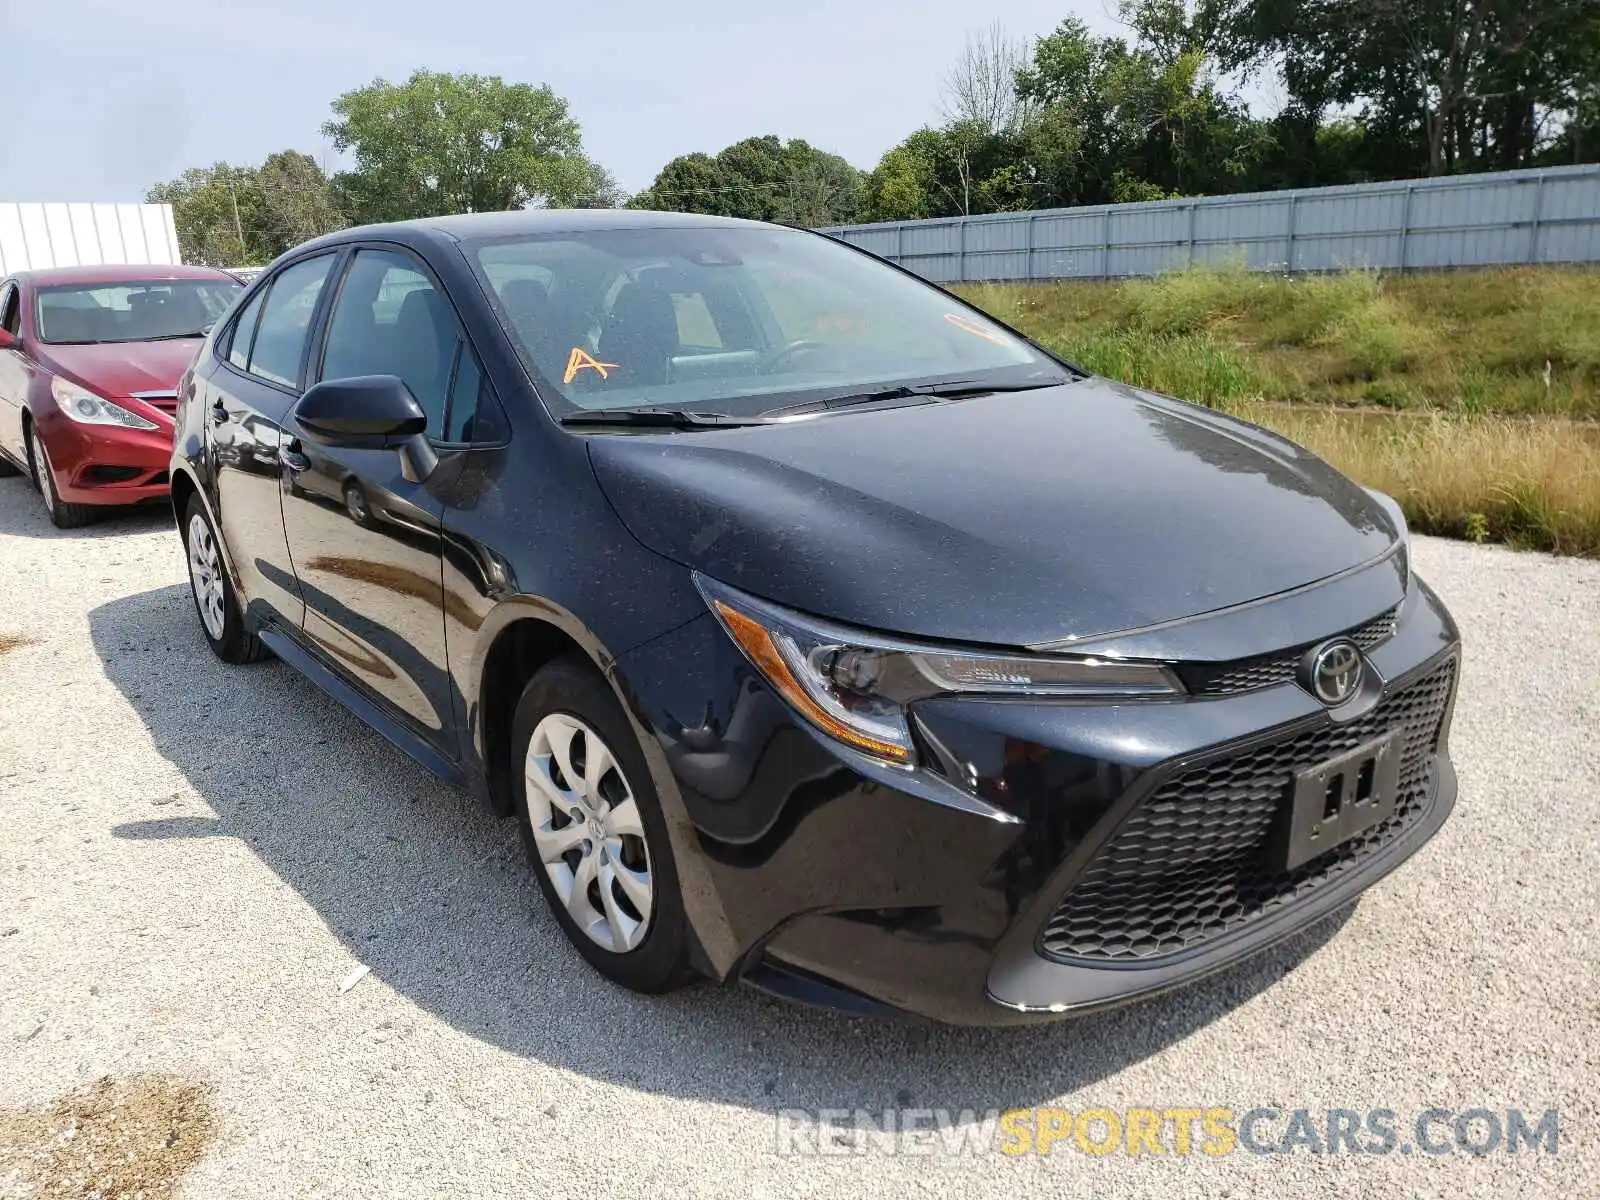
[(855, 686), (85, 407)]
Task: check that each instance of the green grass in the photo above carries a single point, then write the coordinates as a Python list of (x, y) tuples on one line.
[(1523, 340), (1491, 379)]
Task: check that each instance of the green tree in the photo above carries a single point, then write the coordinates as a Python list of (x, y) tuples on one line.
[(1438, 85), (228, 216), (761, 179), (441, 143), (294, 201), (215, 211)]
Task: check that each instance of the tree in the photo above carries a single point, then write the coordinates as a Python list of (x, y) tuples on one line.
[(981, 88), (441, 143), (295, 202), (209, 210), (760, 179), (1440, 85), (229, 216)]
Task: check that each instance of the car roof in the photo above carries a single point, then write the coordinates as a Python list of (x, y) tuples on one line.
[(119, 273), (467, 226)]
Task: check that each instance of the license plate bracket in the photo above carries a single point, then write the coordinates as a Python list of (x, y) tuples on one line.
[(1333, 801)]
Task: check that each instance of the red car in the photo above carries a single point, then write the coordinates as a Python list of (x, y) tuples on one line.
[(89, 365)]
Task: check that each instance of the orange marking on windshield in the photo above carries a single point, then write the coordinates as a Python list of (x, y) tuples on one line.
[(973, 326), (582, 360)]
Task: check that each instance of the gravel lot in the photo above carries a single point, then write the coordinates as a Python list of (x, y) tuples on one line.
[(193, 858)]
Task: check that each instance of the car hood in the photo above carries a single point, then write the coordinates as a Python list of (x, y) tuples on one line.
[(1011, 519), (119, 369)]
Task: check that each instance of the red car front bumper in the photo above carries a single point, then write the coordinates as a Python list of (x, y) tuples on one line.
[(107, 464)]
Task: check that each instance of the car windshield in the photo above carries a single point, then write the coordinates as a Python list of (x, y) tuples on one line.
[(735, 320), (134, 311)]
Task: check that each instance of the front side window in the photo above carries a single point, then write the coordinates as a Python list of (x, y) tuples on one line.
[(390, 319), (734, 320), (132, 312), (280, 340)]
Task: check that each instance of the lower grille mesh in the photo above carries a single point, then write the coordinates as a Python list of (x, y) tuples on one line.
[(1186, 866)]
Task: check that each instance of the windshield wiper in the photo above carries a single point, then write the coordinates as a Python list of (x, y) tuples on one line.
[(171, 337), (949, 389), (658, 418)]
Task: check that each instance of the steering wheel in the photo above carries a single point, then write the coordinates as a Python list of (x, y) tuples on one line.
[(784, 353)]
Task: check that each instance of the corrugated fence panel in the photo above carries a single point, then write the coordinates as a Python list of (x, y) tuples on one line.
[(1540, 216), (35, 236)]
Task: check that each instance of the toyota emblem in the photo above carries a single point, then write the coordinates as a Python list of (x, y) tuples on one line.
[(1333, 671)]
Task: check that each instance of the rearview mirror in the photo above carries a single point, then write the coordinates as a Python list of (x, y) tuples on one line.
[(368, 412)]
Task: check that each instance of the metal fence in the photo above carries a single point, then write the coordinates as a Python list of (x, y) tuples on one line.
[(1540, 216), (33, 236)]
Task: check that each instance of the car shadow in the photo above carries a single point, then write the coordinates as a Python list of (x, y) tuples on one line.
[(432, 893), (22, 515)]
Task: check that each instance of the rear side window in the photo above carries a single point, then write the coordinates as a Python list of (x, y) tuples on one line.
[(280, 339), (244, 332)]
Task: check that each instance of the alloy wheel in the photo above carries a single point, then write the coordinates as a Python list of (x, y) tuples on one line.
[(586, 829), (41, 471), (205, 574)]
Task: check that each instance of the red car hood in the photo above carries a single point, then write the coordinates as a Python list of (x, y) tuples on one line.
[(118, 369)]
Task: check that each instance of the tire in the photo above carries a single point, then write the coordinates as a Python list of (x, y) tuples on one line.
[(62, 515), (569, 692), (214, 600)]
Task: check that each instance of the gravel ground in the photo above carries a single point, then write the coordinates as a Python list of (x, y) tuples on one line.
[(194, 857)]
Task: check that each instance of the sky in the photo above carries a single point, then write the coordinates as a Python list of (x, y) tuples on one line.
[(111, 96)]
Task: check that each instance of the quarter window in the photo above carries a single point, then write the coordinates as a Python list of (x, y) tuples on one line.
[(244, 332), (280, 339)]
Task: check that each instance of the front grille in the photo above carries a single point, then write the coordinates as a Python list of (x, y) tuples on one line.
[(165, 401), (1270, 670), (1187, 866)]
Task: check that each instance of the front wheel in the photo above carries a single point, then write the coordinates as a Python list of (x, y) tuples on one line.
[(214, 600), (62, 515), (595, 831)]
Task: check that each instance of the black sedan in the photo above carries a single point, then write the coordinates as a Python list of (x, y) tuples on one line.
[(820, 631)]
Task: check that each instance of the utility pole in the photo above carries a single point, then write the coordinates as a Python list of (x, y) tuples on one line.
[(238, 226)]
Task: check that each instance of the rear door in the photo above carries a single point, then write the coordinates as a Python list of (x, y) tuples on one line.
[(366, 542), (246, 401)]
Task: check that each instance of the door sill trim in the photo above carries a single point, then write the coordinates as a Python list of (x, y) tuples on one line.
[(290, 650)]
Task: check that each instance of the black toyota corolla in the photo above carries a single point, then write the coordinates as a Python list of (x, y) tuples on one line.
[(820, 631)]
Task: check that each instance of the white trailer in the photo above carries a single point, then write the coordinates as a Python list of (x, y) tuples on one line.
[(33, 236)]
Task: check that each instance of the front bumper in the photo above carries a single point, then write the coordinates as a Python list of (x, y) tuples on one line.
[(835, 880), (107, 464)]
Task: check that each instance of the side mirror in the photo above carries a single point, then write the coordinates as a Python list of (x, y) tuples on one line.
[(366, 412), (9, 340)]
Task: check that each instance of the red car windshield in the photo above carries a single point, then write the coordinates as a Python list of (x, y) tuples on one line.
[(132, 312)]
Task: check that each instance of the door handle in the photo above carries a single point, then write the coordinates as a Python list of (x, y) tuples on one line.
[(291, 458), (219, 412)]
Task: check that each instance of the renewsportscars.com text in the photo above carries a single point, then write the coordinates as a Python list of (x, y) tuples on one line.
[(1174, 1130)]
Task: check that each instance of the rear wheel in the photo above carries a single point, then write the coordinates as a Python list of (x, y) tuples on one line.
[(214, 600), (595, 831), (62, 514)]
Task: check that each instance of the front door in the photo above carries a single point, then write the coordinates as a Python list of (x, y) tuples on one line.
[(244, 401), (365, 541), (14, 374)]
